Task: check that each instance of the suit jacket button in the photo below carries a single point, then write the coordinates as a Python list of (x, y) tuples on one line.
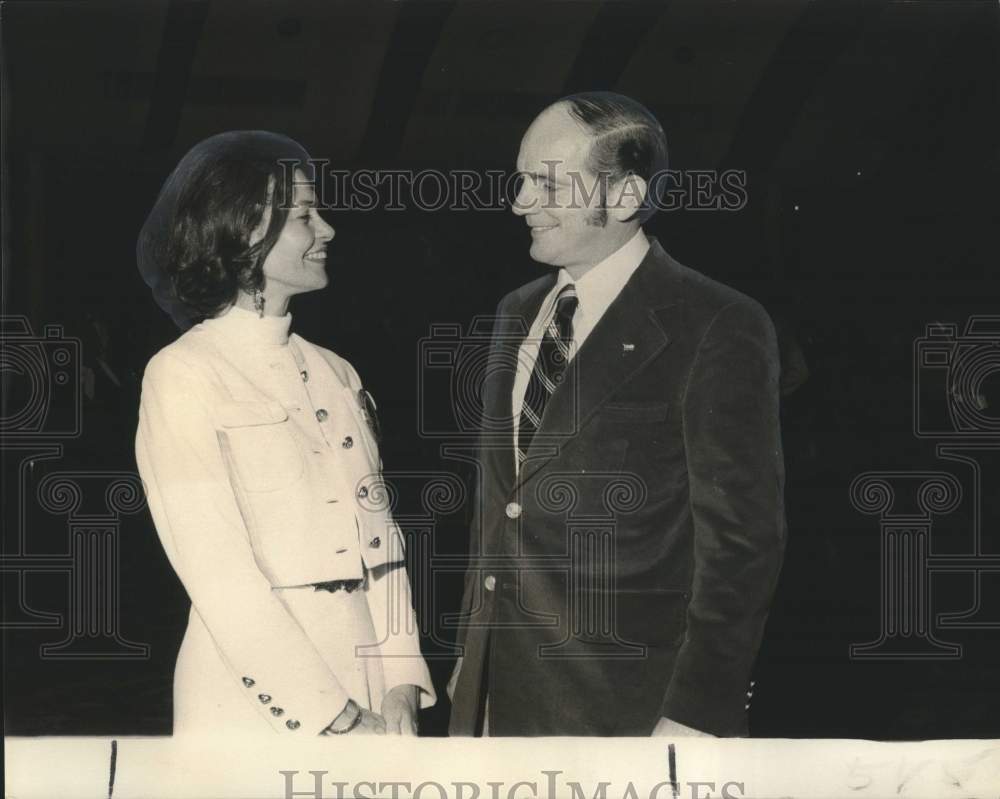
[(513, 510), (264, 698), (292, 724), (347, 443), (376, 542), (321, 415), (490, 582)]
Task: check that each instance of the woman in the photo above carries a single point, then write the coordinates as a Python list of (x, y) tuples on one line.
[(261, 469)]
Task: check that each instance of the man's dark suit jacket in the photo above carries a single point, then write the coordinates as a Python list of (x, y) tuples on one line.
[(626, 573)]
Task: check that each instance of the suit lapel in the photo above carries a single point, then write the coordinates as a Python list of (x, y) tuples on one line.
[(627, 337)]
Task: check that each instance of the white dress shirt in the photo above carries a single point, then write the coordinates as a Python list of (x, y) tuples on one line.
[(595, 292)]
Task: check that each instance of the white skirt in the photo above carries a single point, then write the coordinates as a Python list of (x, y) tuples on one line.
[(209, 699)]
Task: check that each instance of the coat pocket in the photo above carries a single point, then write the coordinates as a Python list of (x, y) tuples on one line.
[(259, 445)]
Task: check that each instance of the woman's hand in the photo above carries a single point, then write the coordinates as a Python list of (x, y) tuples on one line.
[(399, 707), (371, 724), (356, 720)]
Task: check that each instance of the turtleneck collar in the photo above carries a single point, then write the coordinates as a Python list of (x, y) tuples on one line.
[(249, 327)]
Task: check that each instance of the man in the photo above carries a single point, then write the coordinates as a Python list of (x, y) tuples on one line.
[(629, 527)]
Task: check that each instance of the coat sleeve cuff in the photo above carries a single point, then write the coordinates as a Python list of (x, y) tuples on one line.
[(404, 670)]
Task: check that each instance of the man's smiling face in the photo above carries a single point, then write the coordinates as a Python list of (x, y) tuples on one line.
[(559, 196)]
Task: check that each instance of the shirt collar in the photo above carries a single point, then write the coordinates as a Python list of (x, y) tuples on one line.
[(599, 287), (250, 328)]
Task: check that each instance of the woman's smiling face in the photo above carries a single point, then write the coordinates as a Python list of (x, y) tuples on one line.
[(297, 261)]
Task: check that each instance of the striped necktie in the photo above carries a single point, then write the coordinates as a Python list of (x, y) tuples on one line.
[(550, 367)]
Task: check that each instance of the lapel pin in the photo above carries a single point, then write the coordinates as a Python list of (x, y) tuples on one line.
[(626, 347)]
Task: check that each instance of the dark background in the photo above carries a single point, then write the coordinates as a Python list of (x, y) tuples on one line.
[(870, 134)]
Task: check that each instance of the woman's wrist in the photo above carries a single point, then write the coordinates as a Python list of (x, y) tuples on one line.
[(349, 718)]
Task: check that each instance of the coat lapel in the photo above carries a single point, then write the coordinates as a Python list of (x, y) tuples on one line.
[(511, 330), (625, 340)]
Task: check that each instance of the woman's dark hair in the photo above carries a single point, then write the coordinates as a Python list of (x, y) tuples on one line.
[(195, 249), (628, 140)]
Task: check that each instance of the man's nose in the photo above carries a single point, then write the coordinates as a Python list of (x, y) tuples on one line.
[(525, 202)]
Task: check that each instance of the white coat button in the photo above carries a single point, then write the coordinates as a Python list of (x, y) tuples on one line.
[(264, 698), (292, 724), (321, 415), (490, 582), (347, 443), (376, 542), (362, 492), (513, 510), (305, 376)]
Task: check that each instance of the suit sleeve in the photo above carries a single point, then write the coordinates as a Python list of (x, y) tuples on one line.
[(736, 483), (199, 523), (396, 630), (391, 605)]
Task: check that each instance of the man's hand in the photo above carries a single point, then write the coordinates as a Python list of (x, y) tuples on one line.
[(399, 708), (666, 727)]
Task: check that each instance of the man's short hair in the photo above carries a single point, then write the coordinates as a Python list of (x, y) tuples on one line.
[(627, 140)]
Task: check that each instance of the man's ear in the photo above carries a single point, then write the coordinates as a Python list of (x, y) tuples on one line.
[(626, 197)]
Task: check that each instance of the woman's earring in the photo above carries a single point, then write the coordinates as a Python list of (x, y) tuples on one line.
[(258, 302)]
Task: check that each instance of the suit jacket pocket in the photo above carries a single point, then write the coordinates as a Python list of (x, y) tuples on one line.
[(634, 411), (259, 445)]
